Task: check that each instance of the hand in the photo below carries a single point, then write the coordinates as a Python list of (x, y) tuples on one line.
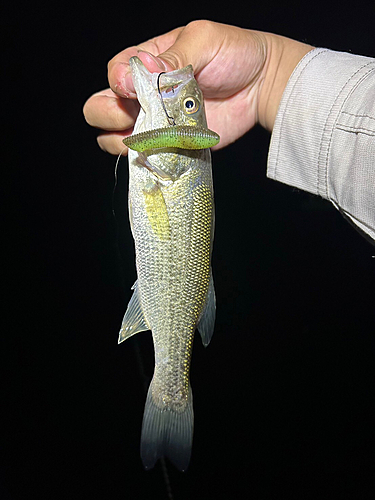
[(242, 74)]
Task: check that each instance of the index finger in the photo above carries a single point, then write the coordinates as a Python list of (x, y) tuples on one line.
[(119, 75)]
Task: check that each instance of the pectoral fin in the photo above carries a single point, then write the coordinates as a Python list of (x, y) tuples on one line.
[(134, 320), (207, 321)]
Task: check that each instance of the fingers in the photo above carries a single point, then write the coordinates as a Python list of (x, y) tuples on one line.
[(114, 110), (119, 75), (115, 115), (108, 111), (196, 44), (112, 142)]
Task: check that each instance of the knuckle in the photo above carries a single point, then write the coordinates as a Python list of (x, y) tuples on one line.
[(175, 58), (200, 25), (111, 63)]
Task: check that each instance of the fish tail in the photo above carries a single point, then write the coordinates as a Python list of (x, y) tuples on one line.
[(167, 433)]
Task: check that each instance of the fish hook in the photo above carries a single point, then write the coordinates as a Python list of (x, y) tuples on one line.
[(162, 101)]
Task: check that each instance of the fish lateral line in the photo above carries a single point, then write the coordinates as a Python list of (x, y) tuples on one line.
[(179, 136)]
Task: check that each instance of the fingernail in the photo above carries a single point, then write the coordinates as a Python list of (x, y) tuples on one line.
[(159, 63)]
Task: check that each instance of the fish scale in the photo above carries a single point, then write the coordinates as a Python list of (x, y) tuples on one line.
[(172, 217)]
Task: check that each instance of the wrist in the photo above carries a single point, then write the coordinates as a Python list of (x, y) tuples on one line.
[(283, 55)]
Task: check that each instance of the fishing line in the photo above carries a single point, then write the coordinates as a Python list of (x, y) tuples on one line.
[(115, 185), (162, 101), (116, 226), (166, 478)]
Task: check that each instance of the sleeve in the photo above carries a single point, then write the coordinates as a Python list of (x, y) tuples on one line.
[(323, 139)]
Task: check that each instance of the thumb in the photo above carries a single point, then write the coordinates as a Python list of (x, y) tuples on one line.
[(196, 44)]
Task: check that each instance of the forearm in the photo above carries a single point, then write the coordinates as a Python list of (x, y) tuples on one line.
[(283, 55), (323, 139)]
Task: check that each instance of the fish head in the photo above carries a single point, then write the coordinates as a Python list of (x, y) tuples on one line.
[(166, 99)]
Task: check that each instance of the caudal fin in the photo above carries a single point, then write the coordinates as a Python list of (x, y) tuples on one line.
[(167, 433)]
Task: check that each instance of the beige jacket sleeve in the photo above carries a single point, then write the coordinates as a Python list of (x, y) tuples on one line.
[(323, 140)]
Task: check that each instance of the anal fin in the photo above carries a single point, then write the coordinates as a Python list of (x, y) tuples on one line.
[(134, 320), (207, 321)]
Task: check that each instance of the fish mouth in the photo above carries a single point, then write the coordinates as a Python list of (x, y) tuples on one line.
[(142, 78), (146, 84), (141, 75), (176, 136)]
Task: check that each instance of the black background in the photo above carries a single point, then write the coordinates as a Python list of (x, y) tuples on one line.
[(284, 396)]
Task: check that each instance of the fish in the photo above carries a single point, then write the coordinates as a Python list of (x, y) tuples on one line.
[(171, 212)]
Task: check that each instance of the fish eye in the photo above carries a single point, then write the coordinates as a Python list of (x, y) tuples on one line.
[(191, 105)]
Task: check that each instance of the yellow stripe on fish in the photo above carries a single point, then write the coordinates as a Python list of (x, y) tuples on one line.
[(157, 213)]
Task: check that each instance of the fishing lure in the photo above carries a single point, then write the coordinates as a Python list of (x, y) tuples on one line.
[(179, 136)]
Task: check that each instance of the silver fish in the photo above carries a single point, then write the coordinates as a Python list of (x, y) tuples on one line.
[(171, 210)]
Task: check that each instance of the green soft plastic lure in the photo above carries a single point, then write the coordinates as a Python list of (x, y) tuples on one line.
[(179, 136)]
